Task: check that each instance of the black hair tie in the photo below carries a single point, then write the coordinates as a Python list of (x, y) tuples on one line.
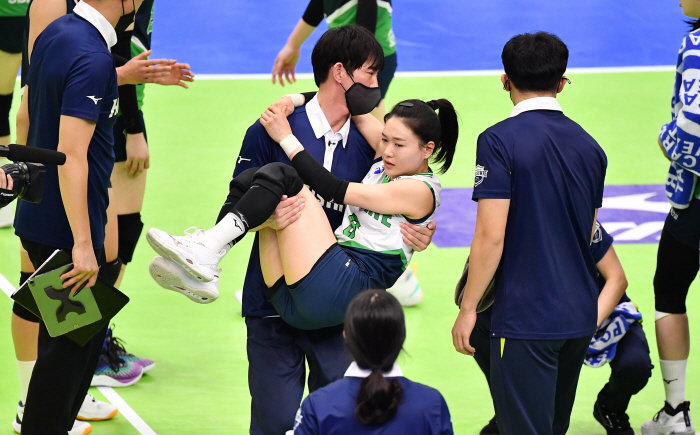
[(433, 104)]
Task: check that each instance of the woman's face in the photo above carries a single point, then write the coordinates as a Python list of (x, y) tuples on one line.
[(401, 150), (691, 8)]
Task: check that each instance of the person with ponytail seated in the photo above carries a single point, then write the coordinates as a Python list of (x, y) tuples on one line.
[(374, 397)]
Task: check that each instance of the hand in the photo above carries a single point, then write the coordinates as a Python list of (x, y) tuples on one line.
[(663, 150), (6, 181), (287, 212), (84, 268), (140, 70), (179, 74), (276, 124), (137, 155), (462, 330), (284, 104), (418, 237), (285, 64)]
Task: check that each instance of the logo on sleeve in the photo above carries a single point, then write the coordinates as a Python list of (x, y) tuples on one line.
[(115, 108), (479, 175), (94, 99), (242, 159)]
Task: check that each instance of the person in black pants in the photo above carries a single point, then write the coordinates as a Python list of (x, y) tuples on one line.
[(72, 108), (538, 181), (630, 368)]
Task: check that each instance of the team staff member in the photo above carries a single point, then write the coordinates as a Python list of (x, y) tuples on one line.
[(12, 24), (373, 15), (630, 368), (539, 181), (677, 257), (374, 397), (72, 108), (276, 351)]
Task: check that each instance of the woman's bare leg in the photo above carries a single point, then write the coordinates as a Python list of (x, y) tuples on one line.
[(270, 259), (302, 243)]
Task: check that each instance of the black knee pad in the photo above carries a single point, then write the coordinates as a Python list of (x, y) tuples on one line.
[(19, 310), (130, 227), (279, 178), (5, 105), (236, 189), (113, 269), (676, 268)]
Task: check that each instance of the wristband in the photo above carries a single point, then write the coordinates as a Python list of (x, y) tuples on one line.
[(290, 144), (297, 99)]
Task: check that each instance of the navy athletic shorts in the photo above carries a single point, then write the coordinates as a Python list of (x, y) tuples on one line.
[(120, 138), (322, 297), (684, 224), (12, 34)]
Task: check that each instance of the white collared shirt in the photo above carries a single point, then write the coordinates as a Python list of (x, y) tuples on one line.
[(92, 16), (321, 127), (354, 371), (538, 103)]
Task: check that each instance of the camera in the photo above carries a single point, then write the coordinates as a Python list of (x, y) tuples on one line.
[(28, 180), (28, 172)]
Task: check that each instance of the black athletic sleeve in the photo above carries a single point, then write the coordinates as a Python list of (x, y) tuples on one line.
[(321, 180), (367, 14), (314, 13), (128, 101)]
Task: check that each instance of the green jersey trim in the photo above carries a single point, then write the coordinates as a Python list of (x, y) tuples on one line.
[(696, 194), (15, 8), (399, 252)]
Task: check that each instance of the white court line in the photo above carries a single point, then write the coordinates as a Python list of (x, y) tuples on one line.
[(465, 73), (111, 395), (126, 411)]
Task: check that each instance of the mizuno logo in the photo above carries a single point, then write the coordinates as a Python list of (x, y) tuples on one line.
[(93, 98), (670, 380), (242, 159)]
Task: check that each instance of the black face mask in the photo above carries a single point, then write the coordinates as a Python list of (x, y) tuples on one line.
[(362, 99), (126, 20)]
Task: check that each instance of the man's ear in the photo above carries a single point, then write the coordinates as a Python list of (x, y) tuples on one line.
[(562, 83), (504, 79), (338, 72)]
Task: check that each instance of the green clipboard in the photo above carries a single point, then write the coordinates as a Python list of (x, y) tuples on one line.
[(61, 310), (109, 300)]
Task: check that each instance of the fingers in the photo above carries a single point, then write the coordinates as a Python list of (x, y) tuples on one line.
[(147, 164), (143, 55), (287, 74), (415, 239), (127, 164)]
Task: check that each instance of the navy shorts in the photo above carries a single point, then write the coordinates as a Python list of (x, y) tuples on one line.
[(684, 224), (322, 297), (120, 138), (12, 34), (387, 75)]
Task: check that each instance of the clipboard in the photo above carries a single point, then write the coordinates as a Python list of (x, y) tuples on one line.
[(108, 300)]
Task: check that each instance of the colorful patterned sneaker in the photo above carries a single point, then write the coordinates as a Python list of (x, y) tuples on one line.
[(171, 276), (115, 346), (188, 251), (670, 421), (94, 410), (113, 371), (79, 427)]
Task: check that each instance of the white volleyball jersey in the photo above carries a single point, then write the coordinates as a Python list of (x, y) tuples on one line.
[(367, 230)]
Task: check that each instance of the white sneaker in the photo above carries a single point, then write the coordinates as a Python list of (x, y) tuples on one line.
[(407, 289), (94, 410), (79, 427), (171, 276), (670, 421), (188, 251)]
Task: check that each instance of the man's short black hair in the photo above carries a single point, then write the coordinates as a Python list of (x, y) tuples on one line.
[(353, 46), (535, 61)]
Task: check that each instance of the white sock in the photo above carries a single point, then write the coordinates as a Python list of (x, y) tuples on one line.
[(673, 373), (224, 233), (25, 369)]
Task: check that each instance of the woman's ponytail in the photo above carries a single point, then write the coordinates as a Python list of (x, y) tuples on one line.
[(375, 331), (449, 131), (379, 399)]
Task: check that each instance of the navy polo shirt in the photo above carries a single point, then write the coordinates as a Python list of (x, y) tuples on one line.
[(350, 162), (72, 73), (331, 411), (553, 172), (602, 241)]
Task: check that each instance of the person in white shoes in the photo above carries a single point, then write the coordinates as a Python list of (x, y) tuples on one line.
[(677, 257), (92, 410), (311, 280)]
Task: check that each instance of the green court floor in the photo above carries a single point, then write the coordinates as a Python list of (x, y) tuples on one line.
[(200, 382)]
